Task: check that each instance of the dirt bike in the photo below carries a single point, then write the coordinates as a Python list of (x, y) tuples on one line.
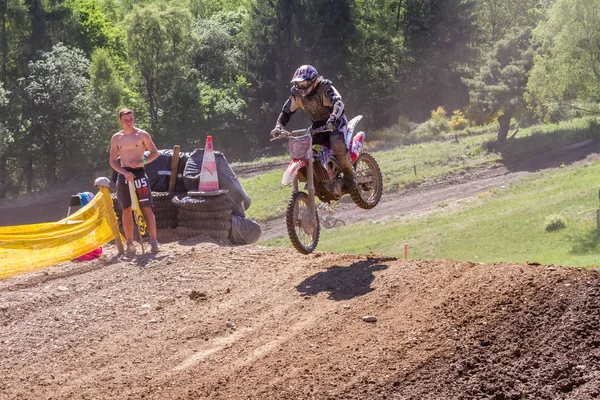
[(319, 168)]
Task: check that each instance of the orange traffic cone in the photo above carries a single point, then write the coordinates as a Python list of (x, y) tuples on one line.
[(209, 180)]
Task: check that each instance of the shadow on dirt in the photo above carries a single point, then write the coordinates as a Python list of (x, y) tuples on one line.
[(549, 150), (344, 283), (45, 276)]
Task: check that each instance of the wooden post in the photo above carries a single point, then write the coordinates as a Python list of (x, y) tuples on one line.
[(174, 165), (598, 222), (112, 218)]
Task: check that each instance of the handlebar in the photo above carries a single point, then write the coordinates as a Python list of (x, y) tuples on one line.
[(283, 134), (323, 128)]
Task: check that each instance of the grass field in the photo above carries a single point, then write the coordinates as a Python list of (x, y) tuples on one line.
[(503, 225)]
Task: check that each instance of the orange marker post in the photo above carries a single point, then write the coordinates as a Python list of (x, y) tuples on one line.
[(405, 251)]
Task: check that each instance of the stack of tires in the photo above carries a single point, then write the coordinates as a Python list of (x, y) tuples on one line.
[(165, 211), (210, 216)]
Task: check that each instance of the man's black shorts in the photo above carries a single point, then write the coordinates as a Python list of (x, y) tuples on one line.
[(142, 189)]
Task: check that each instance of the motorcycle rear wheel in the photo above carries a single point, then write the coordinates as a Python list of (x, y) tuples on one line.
[(369, 180), (303, 236)]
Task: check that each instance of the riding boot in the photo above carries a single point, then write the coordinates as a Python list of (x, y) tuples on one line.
[(343, 155)]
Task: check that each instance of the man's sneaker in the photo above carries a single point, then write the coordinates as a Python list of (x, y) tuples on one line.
[(130, 248), (154, 246)]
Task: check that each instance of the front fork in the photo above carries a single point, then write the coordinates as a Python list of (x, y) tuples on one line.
[(310, 187)]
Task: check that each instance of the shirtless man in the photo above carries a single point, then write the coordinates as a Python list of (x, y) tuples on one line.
[(130, 144)]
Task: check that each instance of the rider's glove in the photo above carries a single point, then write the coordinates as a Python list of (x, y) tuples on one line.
[(330, 124), (277, 131)]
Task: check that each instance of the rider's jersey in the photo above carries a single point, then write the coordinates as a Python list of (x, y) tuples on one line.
[(319, 105)]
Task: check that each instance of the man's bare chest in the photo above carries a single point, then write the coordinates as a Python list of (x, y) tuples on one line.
[(130, 142)]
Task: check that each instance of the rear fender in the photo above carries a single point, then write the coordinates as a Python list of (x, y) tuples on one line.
[(357, 146), (350, 129), (292, 171)]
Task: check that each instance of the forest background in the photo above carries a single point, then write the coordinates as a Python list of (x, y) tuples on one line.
[(222, 67)]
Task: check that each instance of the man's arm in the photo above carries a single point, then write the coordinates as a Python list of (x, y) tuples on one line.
[(334, 100), (151, 147), (114, 155), (290, 107)]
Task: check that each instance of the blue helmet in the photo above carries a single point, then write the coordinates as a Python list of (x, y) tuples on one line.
[(305, 79)]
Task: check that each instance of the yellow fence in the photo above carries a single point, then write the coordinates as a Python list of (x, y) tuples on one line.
[(26, 248)]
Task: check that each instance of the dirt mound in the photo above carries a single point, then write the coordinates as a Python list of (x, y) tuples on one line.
[(203, 321)]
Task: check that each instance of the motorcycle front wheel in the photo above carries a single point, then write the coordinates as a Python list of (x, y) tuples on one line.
[(303, 235), (369, 180)]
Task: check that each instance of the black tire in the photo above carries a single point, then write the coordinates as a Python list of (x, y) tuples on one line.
[(165, 213), (183, 233), (210, 203), (370, 183), (303, 236), (207, 224), (162, 197), (161, 205), (166, 224), (183, 214), (164, 206)]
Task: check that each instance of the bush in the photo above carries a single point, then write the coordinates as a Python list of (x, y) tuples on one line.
[(458, 121), (554, 223), (438, 123)]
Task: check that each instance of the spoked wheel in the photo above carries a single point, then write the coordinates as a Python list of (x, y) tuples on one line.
[(302, 233), (370, 183)]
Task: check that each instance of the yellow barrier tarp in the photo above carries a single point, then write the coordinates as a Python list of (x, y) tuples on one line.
[(26, 248)]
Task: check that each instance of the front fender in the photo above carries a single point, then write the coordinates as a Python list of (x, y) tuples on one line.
[(292, 171)]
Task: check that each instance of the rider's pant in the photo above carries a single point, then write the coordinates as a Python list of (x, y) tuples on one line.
[(338, 146)]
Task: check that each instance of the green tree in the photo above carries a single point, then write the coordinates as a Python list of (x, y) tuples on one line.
[(497, 18), (106, 85), (202, 9), (159, 39), (58, 109), (498, 88), (567, 71), (5, 138), (375, 62), (208, 96), (440, 37), (106, 92), (96, 30)]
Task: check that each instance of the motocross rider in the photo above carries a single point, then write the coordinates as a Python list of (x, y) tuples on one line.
[(323, 105)]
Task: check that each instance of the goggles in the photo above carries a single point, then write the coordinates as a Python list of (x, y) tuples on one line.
[(302, 85)]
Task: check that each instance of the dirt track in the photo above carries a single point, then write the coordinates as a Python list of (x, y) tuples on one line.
[(207, 321), (203, 321)]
